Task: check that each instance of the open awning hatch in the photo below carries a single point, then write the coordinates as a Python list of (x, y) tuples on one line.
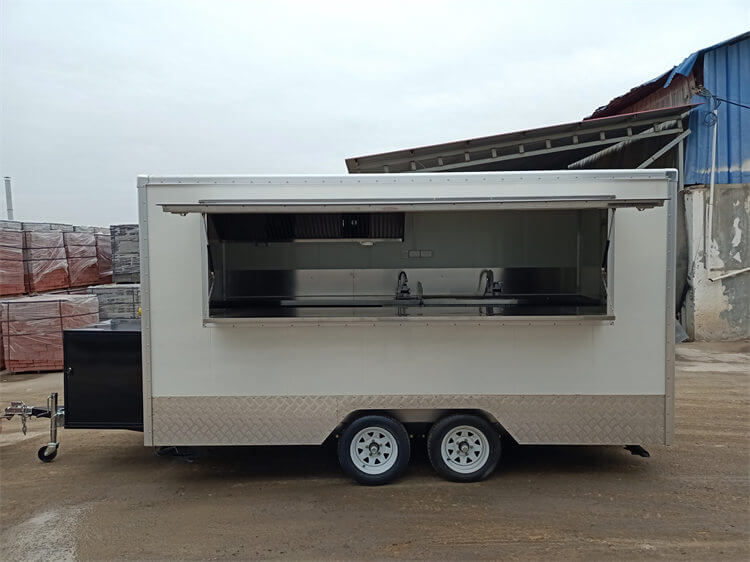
[(406, 205)]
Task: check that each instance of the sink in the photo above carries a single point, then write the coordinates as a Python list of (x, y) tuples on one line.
[(401, 302), (468, 301)]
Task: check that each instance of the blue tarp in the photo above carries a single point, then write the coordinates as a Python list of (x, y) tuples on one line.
[(683, 68), (726, 75)]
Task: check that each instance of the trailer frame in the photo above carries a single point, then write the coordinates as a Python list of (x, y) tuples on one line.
[(574, 412)]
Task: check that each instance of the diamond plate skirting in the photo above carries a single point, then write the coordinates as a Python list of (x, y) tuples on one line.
[(301, 420)]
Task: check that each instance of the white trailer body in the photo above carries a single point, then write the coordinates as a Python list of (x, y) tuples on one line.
[(262, 326)]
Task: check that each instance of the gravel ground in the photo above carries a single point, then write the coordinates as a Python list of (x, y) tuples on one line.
[(106, 496)]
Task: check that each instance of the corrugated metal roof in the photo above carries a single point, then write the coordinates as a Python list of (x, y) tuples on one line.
[(661, 81), (726, 75), (686, 66), (545, 148), (630, 97)]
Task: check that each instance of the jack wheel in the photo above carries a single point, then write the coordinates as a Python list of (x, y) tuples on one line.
[(47, 457)]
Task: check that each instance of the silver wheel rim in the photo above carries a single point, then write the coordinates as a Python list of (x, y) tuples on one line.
[(465, 449), (373, 450)]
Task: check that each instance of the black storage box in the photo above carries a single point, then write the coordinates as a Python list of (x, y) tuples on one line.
[(103, 377)]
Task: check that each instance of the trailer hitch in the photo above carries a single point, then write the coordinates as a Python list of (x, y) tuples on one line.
[(56, 415)]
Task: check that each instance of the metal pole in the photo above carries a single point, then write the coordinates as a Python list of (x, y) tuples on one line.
[(709, 226), (681, 165), (8, 198), (52, 403)]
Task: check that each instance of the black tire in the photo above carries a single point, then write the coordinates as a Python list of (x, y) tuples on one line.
[(466, 473), (44, 457), (393, 436)]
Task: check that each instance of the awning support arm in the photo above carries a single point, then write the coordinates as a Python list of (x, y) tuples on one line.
[(211, 270), (412, 205), (648, 133), (664, 149)]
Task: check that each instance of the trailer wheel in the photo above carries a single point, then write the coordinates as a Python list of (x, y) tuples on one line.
[(45, 455), (374, 450), (463, 448)]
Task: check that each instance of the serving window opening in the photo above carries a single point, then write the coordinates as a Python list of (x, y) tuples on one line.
[(427, 264)]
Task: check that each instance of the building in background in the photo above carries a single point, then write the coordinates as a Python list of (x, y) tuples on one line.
[(716, 176), (695, 117)]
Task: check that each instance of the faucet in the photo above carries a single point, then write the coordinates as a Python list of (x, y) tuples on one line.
[(402, 287), (491, 287)]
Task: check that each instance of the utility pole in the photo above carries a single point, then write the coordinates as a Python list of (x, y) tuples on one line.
[(8, 198)]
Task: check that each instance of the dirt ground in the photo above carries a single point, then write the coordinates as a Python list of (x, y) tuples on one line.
[(106, 496)]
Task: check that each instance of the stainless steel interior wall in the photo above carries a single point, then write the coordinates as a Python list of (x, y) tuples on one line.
[(536, 251)]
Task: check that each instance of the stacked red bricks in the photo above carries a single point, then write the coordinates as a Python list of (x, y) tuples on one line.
[(32, 329), (11, 259), (45, 261), (104, 256), (54, 259), (43, 257), (80, 249), (2, 353)]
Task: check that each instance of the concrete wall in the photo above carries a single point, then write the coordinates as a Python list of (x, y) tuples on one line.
[(718, 309)]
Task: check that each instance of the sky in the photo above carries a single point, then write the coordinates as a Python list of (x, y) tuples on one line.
[(94, 93)]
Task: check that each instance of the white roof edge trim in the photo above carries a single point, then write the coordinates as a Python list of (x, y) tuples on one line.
[(373, 205), (417, 178)]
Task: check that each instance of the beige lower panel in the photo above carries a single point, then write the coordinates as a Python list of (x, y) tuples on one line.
[(290, 420)]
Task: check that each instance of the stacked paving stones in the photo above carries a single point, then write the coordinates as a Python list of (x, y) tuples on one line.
[(32, 329), (11, 259), (46, 226), (80, 249), (121, 299), (125, 253), (117, 300)]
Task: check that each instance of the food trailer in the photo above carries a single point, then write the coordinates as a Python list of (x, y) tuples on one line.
[(283, 310)]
